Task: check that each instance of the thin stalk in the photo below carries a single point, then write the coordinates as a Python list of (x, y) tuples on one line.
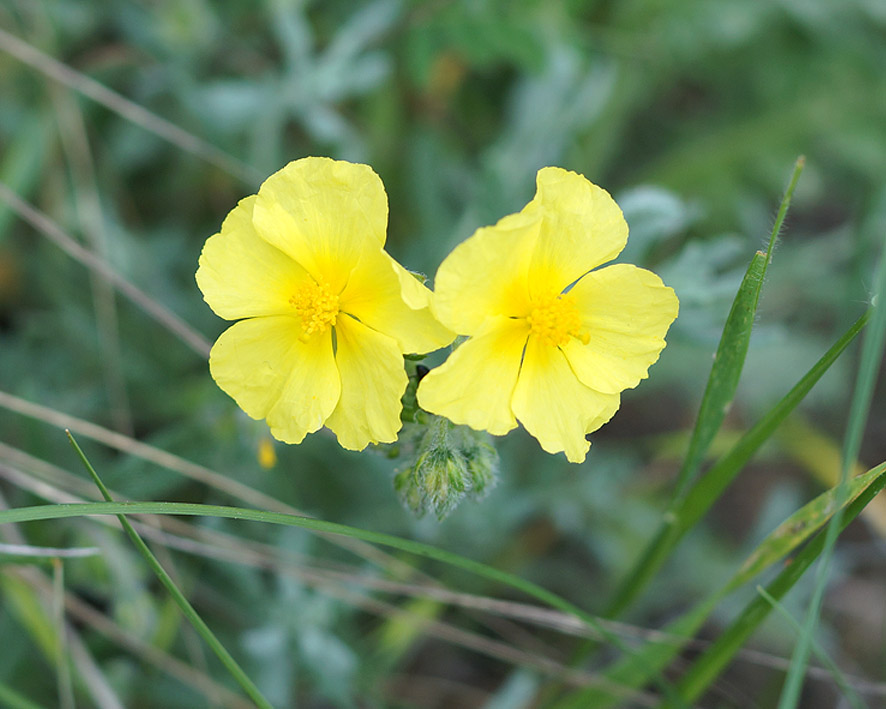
[(709, 666), (11, 699), (719, 393), (187, 609), (707, 490), (851, 695), (871, 359), (703, 434), (52, 231), (63, 671), (139, 115)]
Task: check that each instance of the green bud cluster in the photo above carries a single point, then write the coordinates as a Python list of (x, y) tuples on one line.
[(450, 463)]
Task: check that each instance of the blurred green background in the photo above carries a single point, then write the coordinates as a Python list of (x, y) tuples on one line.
[(690, 113)]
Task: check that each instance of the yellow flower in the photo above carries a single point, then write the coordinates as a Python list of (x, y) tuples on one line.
[(551, 341), (325, 314)]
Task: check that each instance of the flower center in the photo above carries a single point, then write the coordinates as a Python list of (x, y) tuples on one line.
[(316, 307), (555, 319)]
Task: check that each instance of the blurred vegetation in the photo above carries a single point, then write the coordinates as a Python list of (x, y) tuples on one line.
[(691, 113)]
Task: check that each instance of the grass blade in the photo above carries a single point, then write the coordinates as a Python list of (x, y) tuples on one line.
[(64, 511), (731, 461), (795, 530), (65, 685), (154, 309), (871, 359), (851, 695), (23, 162), (125, 108), (121, 509), (187, 609), (708, 667), (732, 349), (717, 398), (688, 511), (13, 700)]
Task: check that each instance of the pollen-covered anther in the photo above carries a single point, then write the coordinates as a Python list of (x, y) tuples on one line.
[(555, 319), (316, 307)]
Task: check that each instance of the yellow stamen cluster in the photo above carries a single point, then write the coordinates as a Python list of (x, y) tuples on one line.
[(316, 307), (555, 319)]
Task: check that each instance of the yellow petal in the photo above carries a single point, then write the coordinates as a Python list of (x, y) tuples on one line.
[(322, 212), (243, 276), (581, 228), (487, 274), (474, 386), (375, 296), (270, 373), (416, 295), (373, 380), (554, 406), (626, 312)]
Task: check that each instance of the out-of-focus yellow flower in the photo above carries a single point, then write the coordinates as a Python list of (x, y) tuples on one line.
[(325, 314), (267, 456), (552, 343)]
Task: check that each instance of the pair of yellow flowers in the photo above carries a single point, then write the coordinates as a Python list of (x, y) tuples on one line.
[(325, 315)]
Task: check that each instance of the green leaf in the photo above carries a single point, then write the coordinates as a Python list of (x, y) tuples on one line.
[(869, 366), (186, 608), (30, 612), (636, 671), (708, 667), (62, 511), (13, 700), (23, 161), (689, 510), (732, 350), (851, 695), (709, 488), (718, 396), (800, 526)]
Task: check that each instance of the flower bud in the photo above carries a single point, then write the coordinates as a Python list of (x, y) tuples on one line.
[(481, 459), (451, 462)]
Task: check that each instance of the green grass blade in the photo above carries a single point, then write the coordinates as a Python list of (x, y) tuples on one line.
[(802, 525), (871, 359), (11, 699), (732, 349), (63, 511), (719, 393), (187, 609), (726, 370), (708, 488), (851, 695), (65, 684), (68, 510), (635, 671), (708, 667)]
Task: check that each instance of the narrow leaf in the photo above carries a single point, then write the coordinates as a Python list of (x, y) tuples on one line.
[(732, 349), (871, 361), (11, 699), (635, 671), (719, 393), (850, 694), (187, 609), (708, 489), (708, 667)]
